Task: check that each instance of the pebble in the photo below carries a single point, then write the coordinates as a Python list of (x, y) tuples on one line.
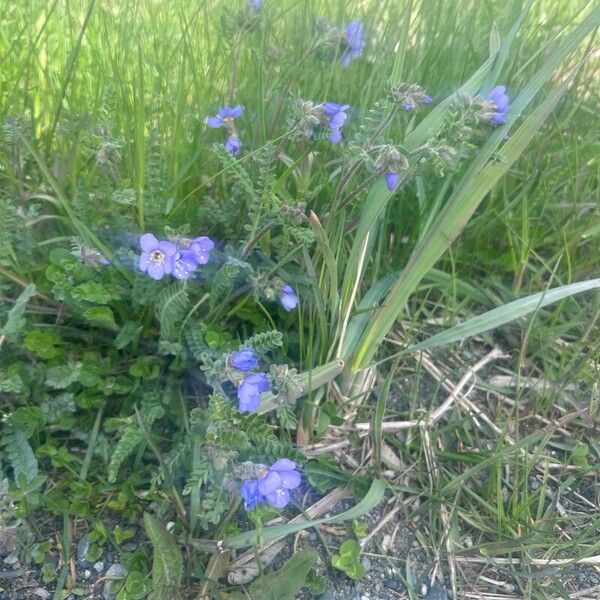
[(83, 545), (11, 559), (366, 563), (392, 584), (116, 571), (99, 566), (436, 593)]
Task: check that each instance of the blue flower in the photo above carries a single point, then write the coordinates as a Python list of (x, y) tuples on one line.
[(501, 104), (251, 495), (274, 487), (256, 4), (353, 37), (233, 145), (392, 180), (249, 391), (200, 247), (157, 257), (411, 104), (185, 264), (336, 117), (288, 298), (244, 359), (225, 116)]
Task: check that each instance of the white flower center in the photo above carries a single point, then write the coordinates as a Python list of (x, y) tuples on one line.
[(157, 257)]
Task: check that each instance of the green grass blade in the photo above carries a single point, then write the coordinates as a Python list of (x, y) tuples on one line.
[(502, 315)]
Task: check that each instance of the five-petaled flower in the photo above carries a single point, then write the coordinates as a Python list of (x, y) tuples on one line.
[(353, 39), (288, 298), (249, 391), (161, 257), (501, 104), (157, 257), (244, 359), (335, 115), (273, 487)]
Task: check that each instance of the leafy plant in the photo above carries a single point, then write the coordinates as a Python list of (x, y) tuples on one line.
[(348, 560)]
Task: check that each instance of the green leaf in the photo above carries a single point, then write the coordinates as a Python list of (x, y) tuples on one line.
[(285, 583), (130, 332), (94, 292), (171, 309), (19, 452), (167, 566), (347, 560), (14, 322), (102, 316), (62, 376), (42, 343)]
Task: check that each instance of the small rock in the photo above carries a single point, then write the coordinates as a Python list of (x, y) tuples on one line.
[(99, 566), (366, 563), (8, 540), (41, 593), (436, 593), (87, 574), (83, 545), (114, 575), (392, 584), (11, 559)]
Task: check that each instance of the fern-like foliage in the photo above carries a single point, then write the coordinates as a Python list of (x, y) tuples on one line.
[(15, 315), (171, 308), (265, 341), (19, 452), (132, 435)]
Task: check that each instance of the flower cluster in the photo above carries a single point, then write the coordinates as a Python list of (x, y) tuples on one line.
[(391, 162), (327, 114), (161, 257), (273, 487), (410, 96), (225, 117), (251, 386)]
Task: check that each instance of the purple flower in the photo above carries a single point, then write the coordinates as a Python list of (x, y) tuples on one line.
[(288, 298), (353, 37), (251, 495), (411, 103), (274, 487), (336, 117), (200, 247), (256, 4), (225, 116), (233, 145), (157, 258), (249, 391), (244, 359), (392, 180), (185, 264), (500, 99)]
